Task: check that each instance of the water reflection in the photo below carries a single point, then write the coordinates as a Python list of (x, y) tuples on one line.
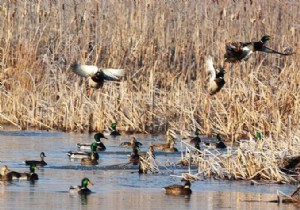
[(114, 188)]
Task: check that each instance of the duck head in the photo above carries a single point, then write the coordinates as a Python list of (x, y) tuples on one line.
[(265, 38), (99, 136), (32, 168), (113, 126), (85, 182), (93, 146)]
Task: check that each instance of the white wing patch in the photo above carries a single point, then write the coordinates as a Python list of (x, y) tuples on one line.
[(210, 68), (113, 74), (84, 70)]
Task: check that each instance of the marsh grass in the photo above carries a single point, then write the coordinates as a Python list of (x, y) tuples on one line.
[(162, 45)]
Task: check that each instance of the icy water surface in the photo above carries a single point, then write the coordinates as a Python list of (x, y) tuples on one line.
[(114, 187)]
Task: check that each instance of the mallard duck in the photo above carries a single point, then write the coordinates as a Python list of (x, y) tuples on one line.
[(7, 175), (134, 156), (96, 76), (81, 154), (97, 138), (170, 137), (32, 176), (241, 51), (113, 129), (220, 144), (37, 162), (82, 189), (171, 148), (179, 189), (133, 142), (216, 81), (92, 160), (146, 159)]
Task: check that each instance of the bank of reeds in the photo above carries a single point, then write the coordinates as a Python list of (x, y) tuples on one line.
[(162, 45)]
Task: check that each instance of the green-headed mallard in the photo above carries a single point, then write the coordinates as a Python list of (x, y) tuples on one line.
[(37, 162), (82, 189), (32, 176), (96, 76), (133, 142), (6, 175), (81, 154), (216, 80), (171, 147), (241, 51), (220, 144), (179, 189), (97, 138), (113, 130)]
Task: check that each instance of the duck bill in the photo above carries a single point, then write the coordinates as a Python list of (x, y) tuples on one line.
[(90, 183)]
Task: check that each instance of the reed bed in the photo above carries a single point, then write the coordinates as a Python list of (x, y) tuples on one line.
[(259, 161), (162, 45)]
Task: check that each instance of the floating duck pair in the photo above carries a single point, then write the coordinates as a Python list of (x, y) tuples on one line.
[(87, 158), (7, 175)]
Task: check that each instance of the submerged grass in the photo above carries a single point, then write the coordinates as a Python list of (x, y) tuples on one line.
[(162, 45)]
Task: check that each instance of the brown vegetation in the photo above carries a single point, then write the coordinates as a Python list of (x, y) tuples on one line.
[(162, 45)]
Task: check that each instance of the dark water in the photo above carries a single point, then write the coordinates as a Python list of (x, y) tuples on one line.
[(114, 187)]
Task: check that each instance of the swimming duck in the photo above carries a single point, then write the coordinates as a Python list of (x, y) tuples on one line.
[(146, 160), (179, 189), (92, 160), (216, 81), (171, 148), (114, 131), (97, 138), (132, 142), (241, 51), (134, 156), (96, 76), (82, 189), (37, 162), (220, 144), (171, 136), (6, 175), (32, 176), (81, 154)]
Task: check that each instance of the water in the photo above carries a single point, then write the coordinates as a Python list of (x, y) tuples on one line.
[(114, 188)]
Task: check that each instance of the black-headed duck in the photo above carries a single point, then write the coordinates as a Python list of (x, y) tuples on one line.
[(81, 189), (179, 189), (37, 162), (96, 76)]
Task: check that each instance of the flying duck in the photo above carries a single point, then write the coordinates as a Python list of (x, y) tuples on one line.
[(96, 76), (216, 81), (241, 51)]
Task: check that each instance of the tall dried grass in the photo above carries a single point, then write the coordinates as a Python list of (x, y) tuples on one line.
[(162, 45)]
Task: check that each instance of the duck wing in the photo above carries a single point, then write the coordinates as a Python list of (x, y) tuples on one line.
[(112, 74), (84, 70), (210, 68), (269, 50)]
